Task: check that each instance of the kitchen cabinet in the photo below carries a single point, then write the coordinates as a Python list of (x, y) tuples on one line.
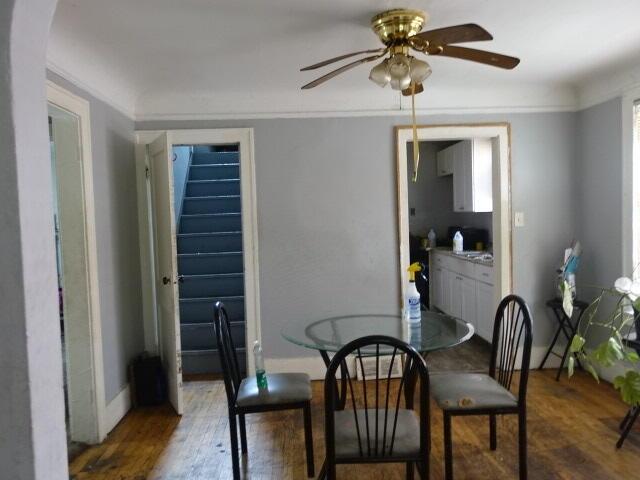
[(485, 310), (444, 162), (470, 161), (464, 290)]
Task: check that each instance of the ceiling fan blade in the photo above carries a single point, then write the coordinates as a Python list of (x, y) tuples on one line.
[(342, 69), (341, 57), (480, 56), (468, 32)]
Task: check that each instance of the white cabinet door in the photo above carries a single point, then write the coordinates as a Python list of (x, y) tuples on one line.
[(472, 178), (486, 310), (456, 295), (444, 162), (459, 178), (436, 288), (468, 297)]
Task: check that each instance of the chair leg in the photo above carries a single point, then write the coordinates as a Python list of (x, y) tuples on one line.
[(522, 443), (243, 434), (409, 470), (626, 418), (448, 448), (308, 439), (233, 430), (493, 437), (330, 468), (629, 425)]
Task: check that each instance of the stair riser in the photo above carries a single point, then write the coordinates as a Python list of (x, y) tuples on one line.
[(203, 337), (212, 189), (208, 363), (210, 244), (215, 157), (214, 173), (210, 224), (202, 311), (211, 287), (193, 206), (204, 265)]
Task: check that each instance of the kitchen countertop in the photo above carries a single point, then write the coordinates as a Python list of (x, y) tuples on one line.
[(449, 252)]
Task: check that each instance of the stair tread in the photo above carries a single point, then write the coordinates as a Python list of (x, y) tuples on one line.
[(199, 165), (207, 351), (208, 254), (215, 180), (203, 275), (208, 324), (210, 299), (209, 197), (222, 214), (204, 234)]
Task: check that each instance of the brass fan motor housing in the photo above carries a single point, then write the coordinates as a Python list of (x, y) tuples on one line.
[(394, 27)]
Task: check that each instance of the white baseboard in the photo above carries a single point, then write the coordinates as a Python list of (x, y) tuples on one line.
[(118, 408)]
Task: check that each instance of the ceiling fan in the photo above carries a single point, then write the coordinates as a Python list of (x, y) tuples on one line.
[(400, 32)]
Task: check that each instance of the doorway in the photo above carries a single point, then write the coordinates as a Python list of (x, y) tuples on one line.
[(76, 254), (464, 173), (197, 187)]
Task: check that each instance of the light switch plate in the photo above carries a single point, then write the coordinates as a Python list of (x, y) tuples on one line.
[(519, 219)]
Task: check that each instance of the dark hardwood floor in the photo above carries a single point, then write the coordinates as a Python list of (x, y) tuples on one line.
[(573, 427)]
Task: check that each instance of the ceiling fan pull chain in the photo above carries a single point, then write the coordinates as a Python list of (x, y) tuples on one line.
[(416, 146)]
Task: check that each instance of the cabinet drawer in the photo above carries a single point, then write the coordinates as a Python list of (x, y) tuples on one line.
[(484, 274)]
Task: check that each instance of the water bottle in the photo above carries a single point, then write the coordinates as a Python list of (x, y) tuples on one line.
[(261, 375)]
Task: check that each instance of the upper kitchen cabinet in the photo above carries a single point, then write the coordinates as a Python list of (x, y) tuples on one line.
[(472, 179), (444, 162)]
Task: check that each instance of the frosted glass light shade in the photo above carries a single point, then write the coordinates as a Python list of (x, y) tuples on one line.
[(399, 66), (380, 74), (420, 70), (401, 83)]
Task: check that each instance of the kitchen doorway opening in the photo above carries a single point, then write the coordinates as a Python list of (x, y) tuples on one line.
[(76, 256), (463, 185)]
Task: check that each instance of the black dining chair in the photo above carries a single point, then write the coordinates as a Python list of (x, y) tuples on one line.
[(460, 394), (286, 391), (373, 428)]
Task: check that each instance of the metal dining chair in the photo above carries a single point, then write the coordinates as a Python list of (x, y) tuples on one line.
[(286, 391), (373, 428), (460, 394)]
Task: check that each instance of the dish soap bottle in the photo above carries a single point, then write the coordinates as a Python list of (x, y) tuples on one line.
[(412, 312), (261, 375), (457, 242), (432, 238)]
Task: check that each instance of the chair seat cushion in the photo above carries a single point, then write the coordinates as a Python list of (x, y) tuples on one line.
[(282, 388), (407, 436), (469, 391)]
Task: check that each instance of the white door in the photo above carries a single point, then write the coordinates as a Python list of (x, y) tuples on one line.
[(436, 290), (161, 163), (456, 295), (485, 310)]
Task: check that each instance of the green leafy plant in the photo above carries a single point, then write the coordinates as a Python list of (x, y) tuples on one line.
[(616, 321)]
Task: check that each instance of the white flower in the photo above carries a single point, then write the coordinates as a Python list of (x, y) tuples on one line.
[(628, 287)]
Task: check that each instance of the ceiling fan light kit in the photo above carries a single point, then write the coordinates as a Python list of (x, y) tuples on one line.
[(400, 30)]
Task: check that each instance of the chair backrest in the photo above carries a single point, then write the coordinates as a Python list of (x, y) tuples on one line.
[(227, 353), (512, 338), (376, 391)]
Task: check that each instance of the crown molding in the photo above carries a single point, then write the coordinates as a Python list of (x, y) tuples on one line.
[(148, 117), (126, 110)]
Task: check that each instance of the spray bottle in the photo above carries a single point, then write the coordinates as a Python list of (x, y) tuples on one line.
[(412, 306)]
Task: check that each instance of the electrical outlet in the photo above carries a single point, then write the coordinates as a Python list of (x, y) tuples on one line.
[(519, 219)]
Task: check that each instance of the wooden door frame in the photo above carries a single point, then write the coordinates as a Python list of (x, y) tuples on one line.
[(501, 221), (244, 138), (85, 376)]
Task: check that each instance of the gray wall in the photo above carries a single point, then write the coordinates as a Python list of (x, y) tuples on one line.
[(117, 237), (432, 197), (599, 194), (327, 212)]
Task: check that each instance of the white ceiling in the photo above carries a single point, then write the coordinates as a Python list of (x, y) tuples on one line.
[(192, 58)]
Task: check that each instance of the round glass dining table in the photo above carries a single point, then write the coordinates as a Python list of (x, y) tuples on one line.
[(436, 331)]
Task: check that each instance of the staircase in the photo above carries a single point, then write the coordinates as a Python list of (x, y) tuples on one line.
[(210, 258)]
